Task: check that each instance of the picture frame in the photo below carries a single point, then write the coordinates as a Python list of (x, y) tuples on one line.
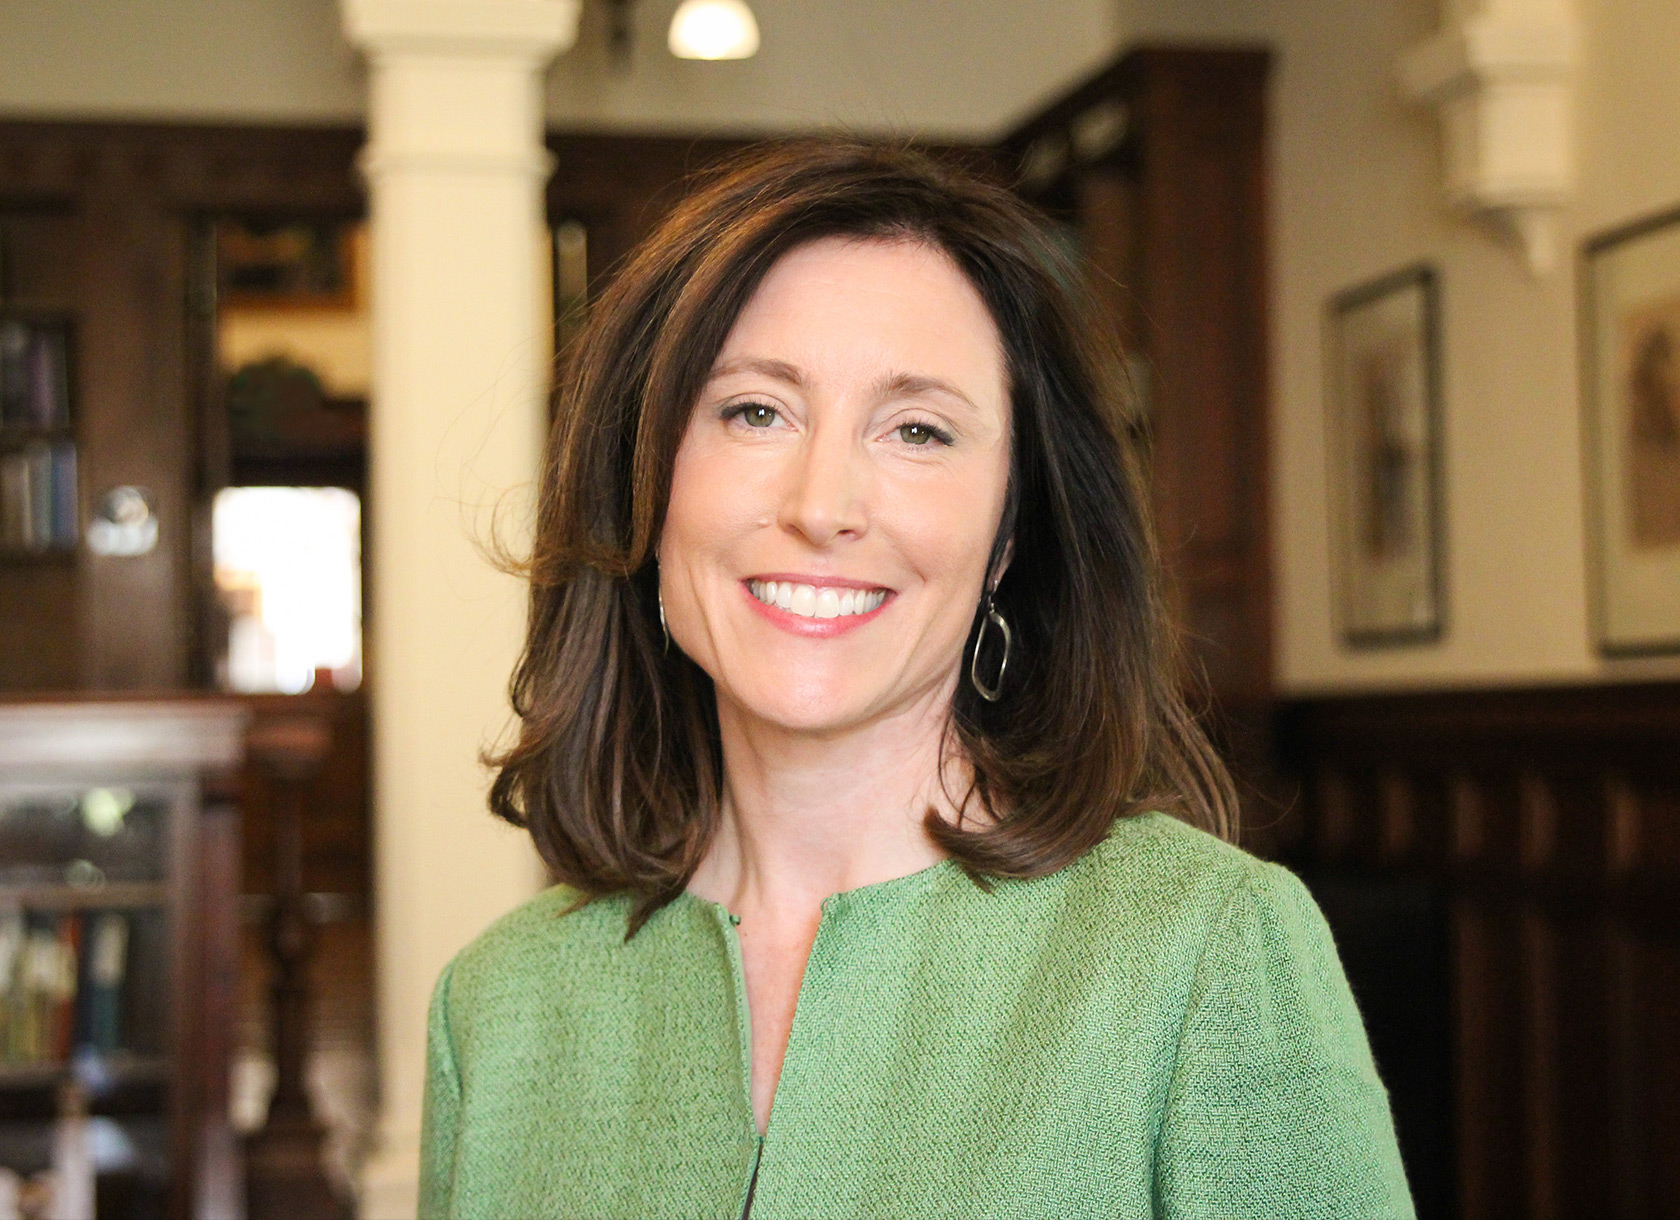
[(1630, 280), (290, 264), (1384, 423)]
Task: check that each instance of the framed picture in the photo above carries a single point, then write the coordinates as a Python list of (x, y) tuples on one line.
[(289, 264), (1384, 425), (1631, 355)]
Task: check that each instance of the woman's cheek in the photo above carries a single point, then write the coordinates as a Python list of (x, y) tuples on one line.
[(949, 520), (713, 494)]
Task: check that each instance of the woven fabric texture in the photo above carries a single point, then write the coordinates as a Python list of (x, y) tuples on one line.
[(1161, 1029)]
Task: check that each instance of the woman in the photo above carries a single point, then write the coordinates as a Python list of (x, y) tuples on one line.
[(847, 723)]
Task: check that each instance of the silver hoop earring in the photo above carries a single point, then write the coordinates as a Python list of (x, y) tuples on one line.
[(663, 629), (991, 694)]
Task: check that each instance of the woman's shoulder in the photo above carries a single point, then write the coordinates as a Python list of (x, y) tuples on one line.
[(1173, 864), (1274, 1104), (553, 935), (1155, 878)]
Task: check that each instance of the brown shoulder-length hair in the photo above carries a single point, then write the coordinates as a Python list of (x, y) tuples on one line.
[(617, 770)]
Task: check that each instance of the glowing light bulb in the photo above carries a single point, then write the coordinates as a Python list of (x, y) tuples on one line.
[(713, 29)]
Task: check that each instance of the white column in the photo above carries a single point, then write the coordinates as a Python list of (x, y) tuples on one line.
[(456, 166)]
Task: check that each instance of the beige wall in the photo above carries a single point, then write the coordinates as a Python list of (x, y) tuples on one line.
[(948, 67), (279, 60), (1356, 184)]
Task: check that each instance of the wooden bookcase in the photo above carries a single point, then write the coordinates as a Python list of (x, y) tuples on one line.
[(118, 944), (41, 454), (1156, 169)]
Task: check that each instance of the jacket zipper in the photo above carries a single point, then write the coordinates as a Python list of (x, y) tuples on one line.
[(752, 1183)]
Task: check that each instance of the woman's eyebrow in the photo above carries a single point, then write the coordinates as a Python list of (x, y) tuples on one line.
[(914, 385), (892, 385), (779, 370)]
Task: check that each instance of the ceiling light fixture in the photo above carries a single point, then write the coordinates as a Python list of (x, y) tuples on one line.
[(713, 29)]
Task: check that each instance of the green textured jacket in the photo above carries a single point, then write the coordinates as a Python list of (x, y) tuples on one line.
[(1161, 1028)]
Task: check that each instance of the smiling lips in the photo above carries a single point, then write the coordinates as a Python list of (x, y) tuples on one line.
[(816, 601)]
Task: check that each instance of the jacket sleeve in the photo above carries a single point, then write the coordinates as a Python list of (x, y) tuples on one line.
[(441, 1109), (1274, 1108)]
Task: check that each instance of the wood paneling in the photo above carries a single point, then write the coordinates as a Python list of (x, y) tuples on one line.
[(620, 187), (1546, 822)]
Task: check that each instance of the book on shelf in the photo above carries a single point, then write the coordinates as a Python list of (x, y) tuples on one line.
[(39, 456), (14, 501), (65, 518), (34, 975), (49, 379), (63, 986), (107, 964), (13, 932), (34, 375), (14, 374), (38, 503), (63, 976)]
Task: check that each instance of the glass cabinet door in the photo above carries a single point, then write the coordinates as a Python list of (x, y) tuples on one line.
[(86, 966)]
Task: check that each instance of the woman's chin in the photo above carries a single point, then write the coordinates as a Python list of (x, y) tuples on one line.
[(815, 708)]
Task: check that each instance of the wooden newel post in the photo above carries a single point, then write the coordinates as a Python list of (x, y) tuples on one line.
[(284, 1175)]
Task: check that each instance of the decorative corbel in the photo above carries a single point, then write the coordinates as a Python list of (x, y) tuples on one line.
[(1501, 75)]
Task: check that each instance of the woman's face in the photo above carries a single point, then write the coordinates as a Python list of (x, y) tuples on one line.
[(837, 491)]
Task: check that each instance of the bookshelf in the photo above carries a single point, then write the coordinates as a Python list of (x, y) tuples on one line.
[(39, 507), (118, 947)]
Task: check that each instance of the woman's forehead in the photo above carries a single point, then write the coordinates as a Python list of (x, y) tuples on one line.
[(896, 309)]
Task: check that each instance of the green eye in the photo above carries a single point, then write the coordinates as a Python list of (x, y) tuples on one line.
[(757, 415), (915, 434)]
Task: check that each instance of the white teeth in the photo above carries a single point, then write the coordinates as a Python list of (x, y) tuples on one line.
[(810, 601)]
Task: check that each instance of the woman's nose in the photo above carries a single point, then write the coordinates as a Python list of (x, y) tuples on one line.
[(826, 492)]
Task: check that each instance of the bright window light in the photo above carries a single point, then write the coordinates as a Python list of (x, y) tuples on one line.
[(288, 565)]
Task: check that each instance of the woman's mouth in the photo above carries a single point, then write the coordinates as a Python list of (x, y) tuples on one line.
[(816, 601)]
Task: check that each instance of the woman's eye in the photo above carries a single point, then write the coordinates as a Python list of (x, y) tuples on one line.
[(757, 415), (918, 434)]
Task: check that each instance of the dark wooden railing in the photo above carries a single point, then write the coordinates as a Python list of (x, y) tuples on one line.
[(295, 815)]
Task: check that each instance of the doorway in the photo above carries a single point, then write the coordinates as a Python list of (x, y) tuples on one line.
[(285, 376)]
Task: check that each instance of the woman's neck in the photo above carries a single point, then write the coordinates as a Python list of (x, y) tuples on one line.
[(806, 816)]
